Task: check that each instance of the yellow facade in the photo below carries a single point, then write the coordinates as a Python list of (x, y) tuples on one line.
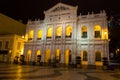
[(15, 47)]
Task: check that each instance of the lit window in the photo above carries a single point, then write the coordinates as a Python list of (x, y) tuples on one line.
[(97, 33), (49, 32), (58, 32), (39, 35), (84, 32), (30, 36), (68, 32)]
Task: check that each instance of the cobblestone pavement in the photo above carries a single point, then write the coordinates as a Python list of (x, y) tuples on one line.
[(27, 72)]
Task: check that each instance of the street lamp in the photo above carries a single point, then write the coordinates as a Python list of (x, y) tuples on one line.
[(105, 32)]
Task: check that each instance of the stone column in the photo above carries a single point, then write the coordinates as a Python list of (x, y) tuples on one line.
[(62, 54)]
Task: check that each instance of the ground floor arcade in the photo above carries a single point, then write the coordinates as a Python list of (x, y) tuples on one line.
[(64, 54)]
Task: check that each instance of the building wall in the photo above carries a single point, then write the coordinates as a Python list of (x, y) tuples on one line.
[(75, 44), (15, 47)]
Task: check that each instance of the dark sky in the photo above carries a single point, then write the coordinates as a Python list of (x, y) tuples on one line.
[(31, 9)]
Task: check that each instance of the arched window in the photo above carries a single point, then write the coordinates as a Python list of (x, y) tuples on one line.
[(97, 30), (39, 37), (49, 32), (84, 32), (58, 32), (31, 35), (98, 56), (68, 32), (85, 56)]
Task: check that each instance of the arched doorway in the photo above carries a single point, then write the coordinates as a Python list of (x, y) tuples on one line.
[(57, 54), (67, 57), (28, 56), (38, 54), (84, 57), (47, 56), (98, 58)]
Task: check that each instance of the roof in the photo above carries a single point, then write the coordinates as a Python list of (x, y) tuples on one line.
[(11, 26)]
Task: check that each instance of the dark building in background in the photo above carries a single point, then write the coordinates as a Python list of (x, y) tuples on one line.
[(114, 33)]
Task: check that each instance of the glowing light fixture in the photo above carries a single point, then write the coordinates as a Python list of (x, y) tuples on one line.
[(23, 37), (105, 32)]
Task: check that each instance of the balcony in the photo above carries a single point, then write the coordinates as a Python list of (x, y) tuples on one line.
[(68, 36), (48, 37), (58, 37), (39, 38)]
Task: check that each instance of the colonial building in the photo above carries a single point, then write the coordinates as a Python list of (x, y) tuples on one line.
[(11, 41), (11, 47), (65, 35)]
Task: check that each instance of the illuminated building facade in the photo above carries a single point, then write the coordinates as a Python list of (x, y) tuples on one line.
[(64, 35), (11, 41), (11, 47)]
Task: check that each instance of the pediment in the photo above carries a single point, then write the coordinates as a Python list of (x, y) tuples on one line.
[(60, 6)]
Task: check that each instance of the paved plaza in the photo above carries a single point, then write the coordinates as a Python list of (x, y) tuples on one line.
[(28, 72)]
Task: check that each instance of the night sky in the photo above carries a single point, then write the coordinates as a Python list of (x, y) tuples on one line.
[(31, 9)]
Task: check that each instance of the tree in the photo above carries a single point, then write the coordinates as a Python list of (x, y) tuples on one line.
[(114, 32)]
